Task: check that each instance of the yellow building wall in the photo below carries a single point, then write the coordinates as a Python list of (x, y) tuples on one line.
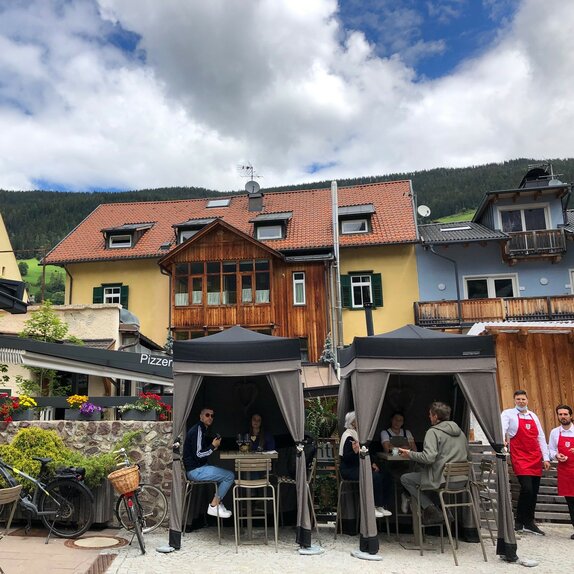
[(8, 264), (148, 297), (398, 269)]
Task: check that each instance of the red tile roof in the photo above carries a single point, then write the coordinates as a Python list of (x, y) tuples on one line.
[(310, 226)]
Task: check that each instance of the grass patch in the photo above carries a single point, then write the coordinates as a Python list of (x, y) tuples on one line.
[(34, 276), (466, 215)]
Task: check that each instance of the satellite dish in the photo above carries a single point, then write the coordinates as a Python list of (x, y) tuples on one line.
[(252, 187), (423, 210)]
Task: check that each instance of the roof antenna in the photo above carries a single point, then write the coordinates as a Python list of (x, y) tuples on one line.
[(249, 171)]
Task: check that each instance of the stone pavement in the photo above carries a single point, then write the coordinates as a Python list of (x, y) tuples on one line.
[(201, 553)]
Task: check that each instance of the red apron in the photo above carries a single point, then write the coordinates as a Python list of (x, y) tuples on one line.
[(525, 452), (566, 469)]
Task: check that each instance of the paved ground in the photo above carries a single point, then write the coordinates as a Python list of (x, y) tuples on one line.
[(201, 553)]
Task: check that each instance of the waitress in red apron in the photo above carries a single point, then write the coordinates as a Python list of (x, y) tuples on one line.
[(561, 448), (529, 454)]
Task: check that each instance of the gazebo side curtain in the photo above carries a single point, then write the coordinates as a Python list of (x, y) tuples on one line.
[(368, 393), (289, 393), (486, 407), (185, 387)]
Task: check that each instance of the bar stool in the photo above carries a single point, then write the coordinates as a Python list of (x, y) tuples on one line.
[(422, 527), (189, 488), (485, 495), (253, 478), (8, 496)]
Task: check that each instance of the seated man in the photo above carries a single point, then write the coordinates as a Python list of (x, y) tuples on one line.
[(444, 442), (196, 451)]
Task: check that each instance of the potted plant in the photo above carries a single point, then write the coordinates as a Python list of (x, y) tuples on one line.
[(17, 408), (148, 407), (82, 409), (321, 416)]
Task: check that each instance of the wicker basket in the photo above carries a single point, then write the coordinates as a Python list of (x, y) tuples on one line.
[(125, 479)]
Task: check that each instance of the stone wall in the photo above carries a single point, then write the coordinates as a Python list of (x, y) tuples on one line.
[(152, 451)]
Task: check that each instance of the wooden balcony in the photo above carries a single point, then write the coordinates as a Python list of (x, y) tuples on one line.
[(541, 243), (441, 314)]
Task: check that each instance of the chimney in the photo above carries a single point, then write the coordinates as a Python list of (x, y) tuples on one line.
[(255, 201)]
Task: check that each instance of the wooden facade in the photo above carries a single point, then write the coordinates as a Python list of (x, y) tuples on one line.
[(240, 258), (541, 363)]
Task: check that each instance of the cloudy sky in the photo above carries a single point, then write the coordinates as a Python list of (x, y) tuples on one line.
[(130, 94)]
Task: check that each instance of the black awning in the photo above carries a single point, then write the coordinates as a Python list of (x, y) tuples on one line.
[(11, 294)]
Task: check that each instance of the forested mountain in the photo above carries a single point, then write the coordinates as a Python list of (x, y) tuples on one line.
[(37, 220)]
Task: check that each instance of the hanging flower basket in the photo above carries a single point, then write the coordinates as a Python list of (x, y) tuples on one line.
[(77, 415), (27, 415)]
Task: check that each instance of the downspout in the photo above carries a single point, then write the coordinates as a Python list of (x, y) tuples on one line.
[(337, 270), (71, 285), (162, 271), (458, 302)]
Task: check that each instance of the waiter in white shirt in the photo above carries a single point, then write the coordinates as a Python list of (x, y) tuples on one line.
[(528, 453), (561, 447)]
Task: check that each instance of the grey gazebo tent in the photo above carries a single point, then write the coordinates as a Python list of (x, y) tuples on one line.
[(368, 364), (225, 365)]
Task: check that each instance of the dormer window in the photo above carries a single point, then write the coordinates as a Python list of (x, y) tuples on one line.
[(125, 236), (355, 219), (189, 228), (271, 225)]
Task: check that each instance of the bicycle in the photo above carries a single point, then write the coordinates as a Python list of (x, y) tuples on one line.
[(152, 501), (63, 502)]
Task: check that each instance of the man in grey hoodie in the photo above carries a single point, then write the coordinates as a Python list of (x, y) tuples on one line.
[(444, 442)]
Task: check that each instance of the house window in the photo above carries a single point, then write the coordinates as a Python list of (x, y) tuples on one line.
[(111, 293), (269, 232), (185, 234), (119, 241), (349, 226), (523, 219), (304, 349), (490, 287), (360, 288), (218, 202), (299, 288)]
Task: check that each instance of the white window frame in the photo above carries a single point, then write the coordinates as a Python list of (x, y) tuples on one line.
[(119, 241), (360, 283), (490, 283), (345, 224), (185, 234), (522, 208), (299, 281), (278, 229), (571, 275), (111, 293), (218, 202)]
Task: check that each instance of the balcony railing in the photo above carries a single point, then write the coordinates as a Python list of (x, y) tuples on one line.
[(536, 243), (447, 314)]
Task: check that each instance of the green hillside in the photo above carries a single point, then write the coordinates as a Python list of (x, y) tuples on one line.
[(54, 281), (38, 220)]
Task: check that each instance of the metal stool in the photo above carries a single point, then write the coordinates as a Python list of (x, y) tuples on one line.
[(422, 527), (485, 495), (189, 485)]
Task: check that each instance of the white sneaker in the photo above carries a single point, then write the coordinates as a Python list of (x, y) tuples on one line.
[(223, 512), (382, 511), (404, 503)]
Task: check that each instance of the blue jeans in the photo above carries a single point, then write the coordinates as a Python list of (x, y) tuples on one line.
[(224, 478)]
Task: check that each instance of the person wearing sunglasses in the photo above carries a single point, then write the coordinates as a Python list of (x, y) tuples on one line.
[(196, 451)]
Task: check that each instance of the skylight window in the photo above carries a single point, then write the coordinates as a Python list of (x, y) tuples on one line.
[(462, 228), (218, 203)]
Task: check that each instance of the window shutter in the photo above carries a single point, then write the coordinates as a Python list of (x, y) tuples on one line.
[(377, 288), (346, 300), (98, 296), (124, 296)]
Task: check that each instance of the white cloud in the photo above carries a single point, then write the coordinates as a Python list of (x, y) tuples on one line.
[(280, 84)]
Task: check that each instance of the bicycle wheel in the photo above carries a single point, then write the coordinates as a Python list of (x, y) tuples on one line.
[(154, 508), (134, 513), (68, 507)]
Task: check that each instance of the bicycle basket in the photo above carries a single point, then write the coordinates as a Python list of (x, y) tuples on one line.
[(125, 479)]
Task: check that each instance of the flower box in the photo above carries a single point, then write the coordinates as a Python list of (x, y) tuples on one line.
[(135, 415), (76, 415), (27, 415)]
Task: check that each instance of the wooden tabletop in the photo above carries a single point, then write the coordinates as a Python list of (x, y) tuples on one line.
[(233, 454), (392, 457)]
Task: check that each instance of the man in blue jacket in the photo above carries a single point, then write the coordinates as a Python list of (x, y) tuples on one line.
[(196, 450)]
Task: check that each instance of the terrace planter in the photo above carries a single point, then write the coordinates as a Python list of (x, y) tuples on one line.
[(135, 415), (27, 415), (76, 415)]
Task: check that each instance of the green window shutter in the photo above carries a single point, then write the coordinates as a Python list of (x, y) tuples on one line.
[(98, 296), (346, 300), (377, 289), (124, 296)]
